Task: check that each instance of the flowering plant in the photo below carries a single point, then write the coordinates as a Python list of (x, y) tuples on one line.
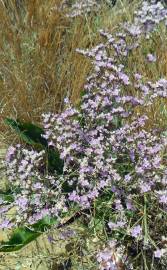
[(102, 151)]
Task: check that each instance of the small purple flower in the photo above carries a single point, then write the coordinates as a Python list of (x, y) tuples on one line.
[(104, 256), (124, 78), (132, 155), (136, 231), (128, 178), (134, 30), (159, 253), (51, 239), (145, 187), (151, 57), (22, 203), (118, 205), (66, 100), (138, 76), (117, 225), (68, 233), (37, 185), (10, 153), (6, 224), (74, 196), (163, 199)]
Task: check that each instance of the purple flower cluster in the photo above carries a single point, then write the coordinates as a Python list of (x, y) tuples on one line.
[(105, 145), (112, 257), (91, 151), (78, 7), (36, 193), (82, 7), (147, 18)]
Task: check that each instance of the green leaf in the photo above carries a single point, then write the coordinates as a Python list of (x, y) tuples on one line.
[(19, 238), (28, 132), (6, 195), (54, 161), (32, 134), (44, 224), (23, 236)]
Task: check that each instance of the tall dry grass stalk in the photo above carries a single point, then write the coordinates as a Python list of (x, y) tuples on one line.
[(39, 65)]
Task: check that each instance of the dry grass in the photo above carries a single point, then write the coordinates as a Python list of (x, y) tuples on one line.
[(138, 63), (39, 65)]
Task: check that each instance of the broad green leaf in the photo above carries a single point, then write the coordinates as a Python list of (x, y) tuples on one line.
[(19, 238), (28, 132), (23, 236)]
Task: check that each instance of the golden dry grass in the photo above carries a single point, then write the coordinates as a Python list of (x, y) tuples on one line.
[(138, 63), (39, 65)]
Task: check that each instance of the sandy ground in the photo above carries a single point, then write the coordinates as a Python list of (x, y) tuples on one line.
[(40, 254)]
